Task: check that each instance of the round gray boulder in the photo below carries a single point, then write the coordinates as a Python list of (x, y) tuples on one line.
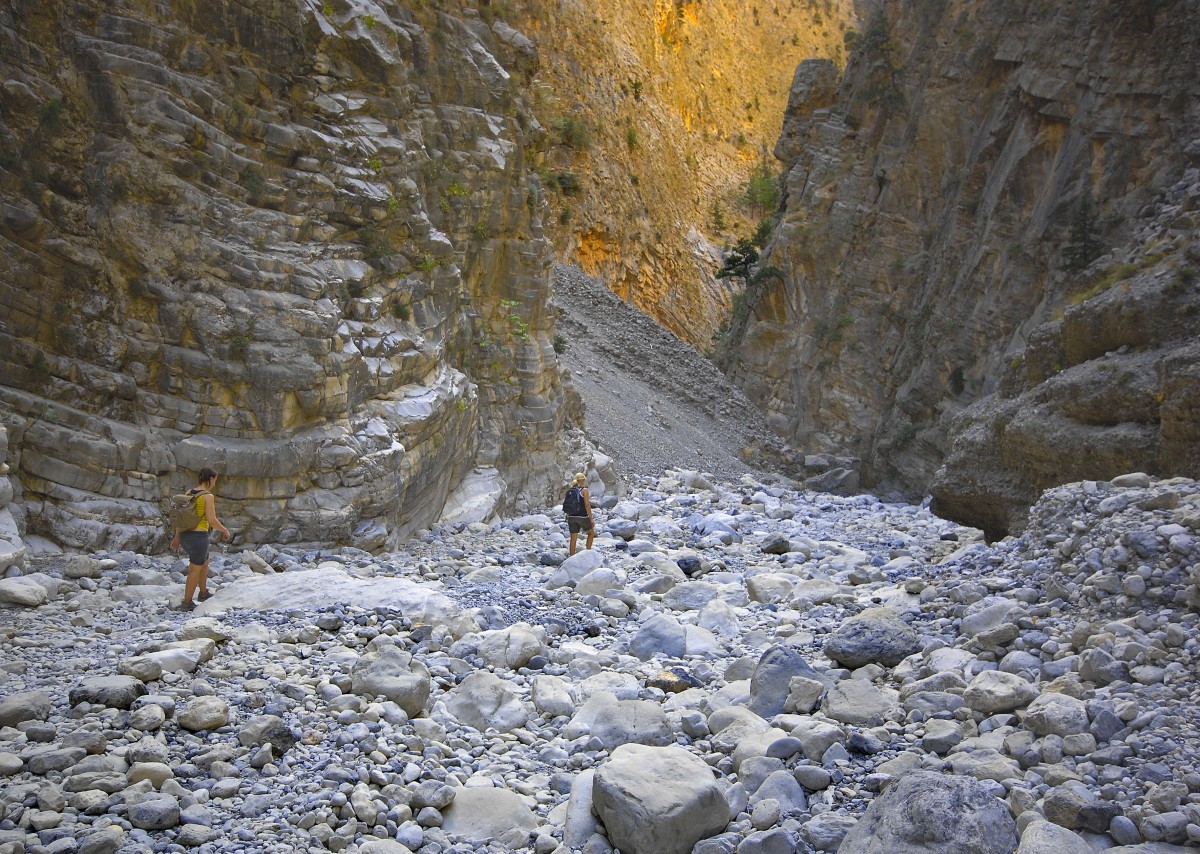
[(929, 813), (876, 636)]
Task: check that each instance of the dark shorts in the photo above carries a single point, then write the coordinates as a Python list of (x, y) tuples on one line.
[(575, 524), (195, 543)]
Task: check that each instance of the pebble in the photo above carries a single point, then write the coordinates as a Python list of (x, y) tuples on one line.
[(805, 650)]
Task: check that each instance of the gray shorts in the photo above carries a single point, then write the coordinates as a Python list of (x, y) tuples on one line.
[(195, 543), (575, 524)]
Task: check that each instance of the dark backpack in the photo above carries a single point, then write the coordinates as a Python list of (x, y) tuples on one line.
[(573, 504), (181, 510)]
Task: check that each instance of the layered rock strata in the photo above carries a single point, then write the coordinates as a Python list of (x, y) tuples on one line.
[(945, 196), (12, 547), (658, 113), (1111, 386), (296, 242)]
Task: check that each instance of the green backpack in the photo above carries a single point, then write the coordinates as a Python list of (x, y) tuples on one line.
[(182, 512)]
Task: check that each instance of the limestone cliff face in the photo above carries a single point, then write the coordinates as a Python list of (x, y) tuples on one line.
[(657, 114), (1110, 387), (945, 196), (295, 241)]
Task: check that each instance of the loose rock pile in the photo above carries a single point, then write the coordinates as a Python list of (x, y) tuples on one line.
[(734, 668)]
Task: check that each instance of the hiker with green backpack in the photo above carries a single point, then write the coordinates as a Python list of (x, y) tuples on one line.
[(194, 515)]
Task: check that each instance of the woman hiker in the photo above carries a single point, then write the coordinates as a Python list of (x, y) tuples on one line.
[(578, 507), (195, 541)]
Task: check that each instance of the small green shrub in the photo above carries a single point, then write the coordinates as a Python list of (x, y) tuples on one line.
[(239, 347), (957, 381), (1184, 278), (761, 193), (740, 260), (905, 435), (560, 343), (457, 189), (39, 366), (52, 114), (568, 183), (375, 242), (573, 133), (838, 332), (427, 263), (1083, 245), (718, 217), (401, 311), (631, 137), (252, 182)]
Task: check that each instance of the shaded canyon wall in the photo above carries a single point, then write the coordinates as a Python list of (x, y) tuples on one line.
[(978, 170)]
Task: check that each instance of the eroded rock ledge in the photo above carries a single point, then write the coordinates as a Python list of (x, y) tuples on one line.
[(944, 195), (299, 243)]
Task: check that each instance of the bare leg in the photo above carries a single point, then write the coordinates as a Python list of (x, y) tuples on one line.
[(193, 581), (204, 580), (574, 537), (591, 536)]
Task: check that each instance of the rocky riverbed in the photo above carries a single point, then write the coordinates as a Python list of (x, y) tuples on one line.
[(735, 667)]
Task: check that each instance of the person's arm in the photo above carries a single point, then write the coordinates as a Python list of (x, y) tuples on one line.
[(210, 511), (587, 502)]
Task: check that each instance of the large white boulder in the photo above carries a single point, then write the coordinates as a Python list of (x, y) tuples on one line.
[(484, 814), (330, 584), (657, 800)]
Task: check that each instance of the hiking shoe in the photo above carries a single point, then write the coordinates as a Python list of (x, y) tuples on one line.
[(204, 595), (187, 606)]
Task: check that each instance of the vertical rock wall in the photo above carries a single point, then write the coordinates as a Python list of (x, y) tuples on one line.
[(12, 548), (933, 193), (294, 241)]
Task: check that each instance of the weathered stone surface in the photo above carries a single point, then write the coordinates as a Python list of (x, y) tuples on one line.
[(24, 706), (485, 814), (25, 592), (485, 701), (1056, 714), (877, 636), (923, 812), (994, 691), (12, 547), (294, 289), (324, 585), (202, 713), (771, 682), (1043, 837), (512, 647), (1116, 375), (394, 674), (657, 800), (858, 702), (1078, 809), (117, 692)]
